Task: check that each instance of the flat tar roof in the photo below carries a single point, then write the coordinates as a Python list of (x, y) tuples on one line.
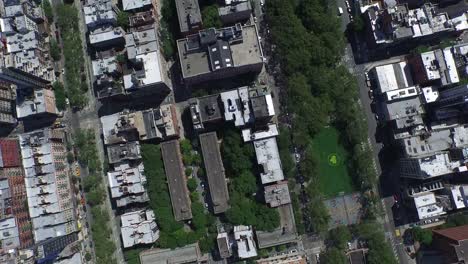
[(188, 254), (215, 172), (176, 180)]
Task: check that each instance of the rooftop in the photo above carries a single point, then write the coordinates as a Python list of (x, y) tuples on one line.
[(47, 185), (277, 194), (224, 246), (211, 50), (9, 153), (40, 101), (205, 109), (141, 19), (150, 74), (188, 254), (400, 23), (99, 13), (267, 154), (124, 151), (246, 247), (393, 76), (141, 42), (291, 258), (236, 106), (262, 106), (126, 183), (9, 233), (105, 66), (135, 4), (234, 7), (406, 113), (250, 135), (176, 180), (138, 227), (436, 141), (427, 206), (432, 166), (402, 93), (215, 172), (104, 35), (188, 12), (459, 196), (160, 123)]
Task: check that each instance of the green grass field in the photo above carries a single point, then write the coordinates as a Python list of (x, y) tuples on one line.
[(333, 174)]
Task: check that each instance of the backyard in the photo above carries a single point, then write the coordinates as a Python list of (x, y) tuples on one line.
[(333, 175)]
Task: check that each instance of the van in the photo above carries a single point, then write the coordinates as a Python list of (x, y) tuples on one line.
[(340, 11)]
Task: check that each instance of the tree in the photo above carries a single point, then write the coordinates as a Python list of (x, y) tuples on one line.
[(88, 256), (48, 11), (123, 19), (60, 98), (121, 59), (358, 24), (339, 236), (70, 157), (333, 256), (210, 17), (95, 196), (54, 49), (424, 236), (192, 184)]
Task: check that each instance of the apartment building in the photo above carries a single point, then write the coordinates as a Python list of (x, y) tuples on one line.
[(48, 189), (214, 54)]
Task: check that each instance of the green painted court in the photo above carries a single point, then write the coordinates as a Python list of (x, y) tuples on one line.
[(333, 174)]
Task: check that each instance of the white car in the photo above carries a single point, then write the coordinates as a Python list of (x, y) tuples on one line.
[(347, 4), (340, 11)]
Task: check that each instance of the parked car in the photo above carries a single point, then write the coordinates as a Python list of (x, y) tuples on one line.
[(340, 11), (371, 94)]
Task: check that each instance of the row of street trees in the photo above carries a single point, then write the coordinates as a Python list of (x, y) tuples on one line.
[(75, 77), (104, 244)]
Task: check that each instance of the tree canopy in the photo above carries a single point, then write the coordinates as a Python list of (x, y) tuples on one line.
[(245, 208), (210, 16), (424, 236)]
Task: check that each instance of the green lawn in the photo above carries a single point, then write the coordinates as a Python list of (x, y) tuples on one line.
[(333, 174)]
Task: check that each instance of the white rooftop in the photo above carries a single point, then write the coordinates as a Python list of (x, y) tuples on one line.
[(393, 76), (401, 93), (431, 94), (430, 64), (438, 165), (426, 206), (103, 66), (126, 180), (150, 74), (139, 227), (248, 135), (246, 247), (458, 196), (134, 4), (452, 73), (267, 154), (103, 35), (236, 106)]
